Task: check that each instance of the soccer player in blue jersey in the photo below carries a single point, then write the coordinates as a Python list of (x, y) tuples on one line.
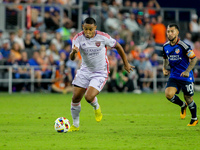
[(181, 59)]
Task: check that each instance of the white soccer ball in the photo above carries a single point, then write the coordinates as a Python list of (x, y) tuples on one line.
[(62, 124)]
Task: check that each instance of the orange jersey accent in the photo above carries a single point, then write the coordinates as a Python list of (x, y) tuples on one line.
[(191, 54)]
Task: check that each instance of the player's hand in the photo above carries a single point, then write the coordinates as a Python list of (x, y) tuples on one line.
[(185, 74), (75, 49), (128, 67), (165, 72)]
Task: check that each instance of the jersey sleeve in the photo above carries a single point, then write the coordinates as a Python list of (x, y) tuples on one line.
[(109, 41), (164, 54), (188, 50)]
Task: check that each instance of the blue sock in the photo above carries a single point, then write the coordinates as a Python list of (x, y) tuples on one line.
[(193, 109), (176, 100)]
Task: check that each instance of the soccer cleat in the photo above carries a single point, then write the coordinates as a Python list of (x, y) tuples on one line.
[(193, 122), (183, 111), (98, 114), (73, 128)]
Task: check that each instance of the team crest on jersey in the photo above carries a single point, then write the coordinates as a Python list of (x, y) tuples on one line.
[(177, 50), (98, 44)]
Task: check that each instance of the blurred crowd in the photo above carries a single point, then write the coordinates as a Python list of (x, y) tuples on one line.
[(137, 26)]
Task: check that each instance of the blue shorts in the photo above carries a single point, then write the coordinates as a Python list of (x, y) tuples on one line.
[(187, 87)]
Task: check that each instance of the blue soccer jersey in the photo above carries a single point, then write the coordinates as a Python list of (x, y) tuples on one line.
[(178, 56)]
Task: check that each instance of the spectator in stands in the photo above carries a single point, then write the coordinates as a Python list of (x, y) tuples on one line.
[(61, 83), (194, 27), (72, 67), (140, 7), (159, 34), (140, 18), (24, 72), (145, 71), (134, 8), (36, 62), (135, 52), (104, 11), (66, 50), (16, 51), (152, 8), (155, 63), (73, 33), (28, 43), (42, 52), (5, 50), (125, 33), (117, 37), (36, 39), (113, 7), (44, 40), (57, 40), (19, 38), (53, 51), (112, 23), (119, 2), (188, 40), (11, 38), (133, 26), (120, 81)]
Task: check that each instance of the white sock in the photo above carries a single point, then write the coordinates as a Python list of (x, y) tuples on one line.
[(95, 103), (75, 110)]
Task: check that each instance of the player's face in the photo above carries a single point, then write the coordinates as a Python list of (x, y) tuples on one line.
[(89, 30), (172, 33)]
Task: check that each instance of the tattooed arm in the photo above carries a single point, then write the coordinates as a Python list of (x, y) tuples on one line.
[(165, 64), (190, 67)]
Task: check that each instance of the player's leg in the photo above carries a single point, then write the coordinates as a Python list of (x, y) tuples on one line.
[(78, 93), (91, 98), (97, 83), (170, 95), (170, 92), (193, 109)]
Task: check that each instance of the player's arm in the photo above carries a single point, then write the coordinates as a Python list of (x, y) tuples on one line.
[(120, 50), (74, 52), (165, 64), (193, 62)]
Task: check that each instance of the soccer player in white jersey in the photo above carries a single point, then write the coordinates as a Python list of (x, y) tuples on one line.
[(93, 73)]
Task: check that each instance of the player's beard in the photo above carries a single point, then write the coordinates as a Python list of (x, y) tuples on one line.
[(171, 40)]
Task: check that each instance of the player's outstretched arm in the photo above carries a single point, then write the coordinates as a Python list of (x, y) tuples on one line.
[(120, 50), (74, 52)]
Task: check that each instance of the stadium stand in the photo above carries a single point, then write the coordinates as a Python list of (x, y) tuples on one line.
[(47, 28)]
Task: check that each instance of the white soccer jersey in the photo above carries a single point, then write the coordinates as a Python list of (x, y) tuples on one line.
[(93, 50)]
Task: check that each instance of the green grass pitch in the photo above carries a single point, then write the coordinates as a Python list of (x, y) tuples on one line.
[(130, 122)]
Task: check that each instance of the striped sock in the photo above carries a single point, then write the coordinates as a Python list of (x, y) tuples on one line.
[(75, 110), (193, 109), (95, 103)]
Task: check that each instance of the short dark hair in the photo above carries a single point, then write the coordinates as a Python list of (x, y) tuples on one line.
[(173, 25), (90, 20)]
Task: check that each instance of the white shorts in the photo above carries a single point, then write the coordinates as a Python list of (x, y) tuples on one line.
[(85, 79)]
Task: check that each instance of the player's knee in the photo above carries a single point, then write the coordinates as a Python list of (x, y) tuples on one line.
[(89, 98), (76, 99), (169, 95)]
